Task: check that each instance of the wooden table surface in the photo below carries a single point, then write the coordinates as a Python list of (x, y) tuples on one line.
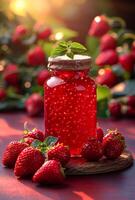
[(112, 186)]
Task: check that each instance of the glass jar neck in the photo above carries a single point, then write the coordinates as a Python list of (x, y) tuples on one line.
[(73, 65)]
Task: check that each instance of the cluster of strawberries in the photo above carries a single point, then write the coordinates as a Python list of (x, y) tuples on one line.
[(11, 75), (37, 157), (44, 159), (111, 145), (123, 106), (111, 51)]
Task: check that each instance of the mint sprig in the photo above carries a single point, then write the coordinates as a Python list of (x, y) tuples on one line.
[(68, 48)]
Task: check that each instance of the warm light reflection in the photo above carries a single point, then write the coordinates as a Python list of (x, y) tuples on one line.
[(59, 36), (1, 67), (18, 7), (27, 84), (97, 19), (101, 72)]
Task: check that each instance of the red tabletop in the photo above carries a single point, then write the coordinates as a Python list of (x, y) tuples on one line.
[(118, 186)]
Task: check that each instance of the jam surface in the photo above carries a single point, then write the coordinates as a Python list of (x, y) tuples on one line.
[(70, 108)]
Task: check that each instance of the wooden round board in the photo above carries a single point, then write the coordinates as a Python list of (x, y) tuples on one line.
[(78, 166)]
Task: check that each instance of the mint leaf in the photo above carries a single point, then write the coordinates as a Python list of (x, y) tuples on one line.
[(77, 48), (68, 48)]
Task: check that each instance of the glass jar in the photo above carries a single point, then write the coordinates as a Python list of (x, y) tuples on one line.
[(70, 103)]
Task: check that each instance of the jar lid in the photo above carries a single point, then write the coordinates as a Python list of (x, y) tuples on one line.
[(63, 62)]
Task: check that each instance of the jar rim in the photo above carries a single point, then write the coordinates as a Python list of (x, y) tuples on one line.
[(70, 64)]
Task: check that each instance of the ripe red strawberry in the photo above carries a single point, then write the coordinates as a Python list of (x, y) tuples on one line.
[(34, 104), (28, 140), (11, 153), (19, 33), (113, 144), (44, 34), (100, 134), (28, 162), (107, 77), (36, 57), (108, 42), (2, 94), (126, 61), (36, 134), (42, 76), (115, 108), (99, 26), (59, 152), (108, 57), (50, 172), (11, 74), (92, 150)]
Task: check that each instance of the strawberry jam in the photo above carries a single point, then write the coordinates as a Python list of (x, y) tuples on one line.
[(70, 103)]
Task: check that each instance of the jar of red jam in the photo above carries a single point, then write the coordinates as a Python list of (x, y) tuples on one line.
[(70, 102)]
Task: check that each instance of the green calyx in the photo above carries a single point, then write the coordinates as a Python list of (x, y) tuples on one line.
[(68, 48), (49, 142)]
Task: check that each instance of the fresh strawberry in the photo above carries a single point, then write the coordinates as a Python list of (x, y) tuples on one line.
[(50, 172), (19, 33), (113, 144), (28, 162), (128, 111), (108, 57), (115, 108), (36, 57), (2, 94), (28, 140), (42, 76), (126, 62), (44, 34), (11, 153), (99, 26), (11, 74), (36, 134), (100, 134), (34, 104), (92, 150), (59, 152), (107, 77), (108, 42)]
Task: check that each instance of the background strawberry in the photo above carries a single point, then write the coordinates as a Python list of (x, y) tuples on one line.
[(92, 150), (126, 61), (11, 74), (59, 152), (34, 104), (28, 162), (44, 34), (11, 153), (107, 77), (108, 42), (50, 172), (36, 57), (115, 108), (19, 32), (108, 57), (42, 76), (99, 26), (2, 94)]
